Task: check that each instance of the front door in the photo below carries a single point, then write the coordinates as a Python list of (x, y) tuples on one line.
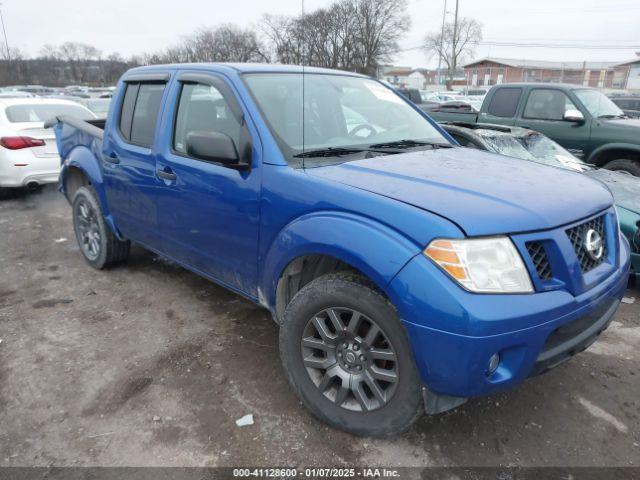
[(129, 162), (209, 212)]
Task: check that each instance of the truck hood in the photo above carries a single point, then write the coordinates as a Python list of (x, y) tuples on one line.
[(483, 193), (628, 123), (624, 187)]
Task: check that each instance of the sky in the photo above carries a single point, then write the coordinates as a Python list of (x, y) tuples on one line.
[(135, 26)]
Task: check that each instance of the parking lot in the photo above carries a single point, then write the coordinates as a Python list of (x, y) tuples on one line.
[(148, 364)]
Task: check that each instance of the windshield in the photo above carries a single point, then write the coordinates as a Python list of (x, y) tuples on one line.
[(505, 144), (339, 111), (546, 151), (598, 104), (42, 112)]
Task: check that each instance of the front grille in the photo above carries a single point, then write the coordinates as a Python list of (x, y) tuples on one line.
[(539, 258), (577, 236)]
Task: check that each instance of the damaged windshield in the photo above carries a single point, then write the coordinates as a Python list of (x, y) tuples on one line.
[(319, 116), (532, 146)]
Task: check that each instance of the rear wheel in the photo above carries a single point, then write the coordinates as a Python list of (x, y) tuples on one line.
[(348, 357), (625, 165), (99, 246)]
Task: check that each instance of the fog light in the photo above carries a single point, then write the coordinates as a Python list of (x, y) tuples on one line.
[(494, 361)]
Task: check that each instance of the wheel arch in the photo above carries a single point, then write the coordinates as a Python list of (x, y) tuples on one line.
[(327, 242), (81, 168), (614, 151)]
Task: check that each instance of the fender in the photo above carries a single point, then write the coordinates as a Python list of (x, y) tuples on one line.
[(603, 149), (351, 238), (85, 159)]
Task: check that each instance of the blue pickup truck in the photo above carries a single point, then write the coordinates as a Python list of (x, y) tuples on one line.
[(405, 272)]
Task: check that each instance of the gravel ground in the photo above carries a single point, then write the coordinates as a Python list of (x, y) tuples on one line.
[(148, 364)]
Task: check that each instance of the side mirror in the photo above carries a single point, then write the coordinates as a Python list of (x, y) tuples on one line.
[(213, 146), (574, 116)]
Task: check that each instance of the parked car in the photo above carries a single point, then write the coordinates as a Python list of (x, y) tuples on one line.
[(630, 105), (16, 94), (533, 146), (99, 106), (581, 119), (403, 270), (28, 154), (454, 106)]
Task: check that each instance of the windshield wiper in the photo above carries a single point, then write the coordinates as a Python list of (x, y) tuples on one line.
[(409, 144), (613, 116), (329, 152)]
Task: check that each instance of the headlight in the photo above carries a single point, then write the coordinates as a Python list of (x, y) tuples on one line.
[(484, 265)]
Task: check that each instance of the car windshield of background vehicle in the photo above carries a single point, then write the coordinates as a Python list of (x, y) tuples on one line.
[(598, 104), (505, 144), (339, 112), (549, 152), (43, 112)]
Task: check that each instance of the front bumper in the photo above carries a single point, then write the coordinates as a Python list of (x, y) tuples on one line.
[(454, 333)]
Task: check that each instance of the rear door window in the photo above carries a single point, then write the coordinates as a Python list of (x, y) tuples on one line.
[(139, 113), (504, 102)]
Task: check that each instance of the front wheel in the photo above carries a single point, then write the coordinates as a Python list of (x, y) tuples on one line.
[(624, 165), (348, 358), (99, 246)]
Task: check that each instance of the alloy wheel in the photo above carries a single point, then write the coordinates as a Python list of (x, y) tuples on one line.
[(350, 359), (88, 229)]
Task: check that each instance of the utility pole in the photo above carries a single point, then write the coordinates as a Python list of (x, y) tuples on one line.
[(444, 16), (4, 31), (453, 45)]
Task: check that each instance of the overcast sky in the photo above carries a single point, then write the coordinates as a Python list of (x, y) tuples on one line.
[(135, 26)]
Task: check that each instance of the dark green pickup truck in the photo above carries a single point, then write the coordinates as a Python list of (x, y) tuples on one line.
[(581, 119)]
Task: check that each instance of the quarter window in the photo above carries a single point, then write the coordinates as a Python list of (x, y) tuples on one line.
[(546, 104), (202, 108), (505, 102)]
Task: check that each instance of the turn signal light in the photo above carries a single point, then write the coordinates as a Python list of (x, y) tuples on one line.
[(17, 143)]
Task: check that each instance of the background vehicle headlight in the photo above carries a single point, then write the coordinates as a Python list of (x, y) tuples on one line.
[(484, 265)]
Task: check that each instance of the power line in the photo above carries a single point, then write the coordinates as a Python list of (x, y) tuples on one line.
[(539, 45)]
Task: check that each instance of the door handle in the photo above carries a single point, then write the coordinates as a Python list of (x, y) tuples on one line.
[(166, 175), (112, 158)]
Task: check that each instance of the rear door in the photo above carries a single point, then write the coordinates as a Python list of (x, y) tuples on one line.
[(129, 161), (502, 106), (208, 211), (544, 111)]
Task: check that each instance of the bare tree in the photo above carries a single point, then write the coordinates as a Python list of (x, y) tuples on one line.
[(380, 25), (353, 35), (454, 43), (225, 43), (284, 38)]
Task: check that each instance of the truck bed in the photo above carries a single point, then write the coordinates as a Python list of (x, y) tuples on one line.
[(71, 132)]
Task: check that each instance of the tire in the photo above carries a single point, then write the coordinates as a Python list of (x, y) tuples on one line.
[(348, 294), (626, 165), (99, 246)]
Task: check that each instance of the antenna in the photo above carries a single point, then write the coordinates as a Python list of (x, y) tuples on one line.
[(303, 98)]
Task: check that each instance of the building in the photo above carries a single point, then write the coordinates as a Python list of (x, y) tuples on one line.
[(627, 75), (492, 71), (397, 75), (420, 78)]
